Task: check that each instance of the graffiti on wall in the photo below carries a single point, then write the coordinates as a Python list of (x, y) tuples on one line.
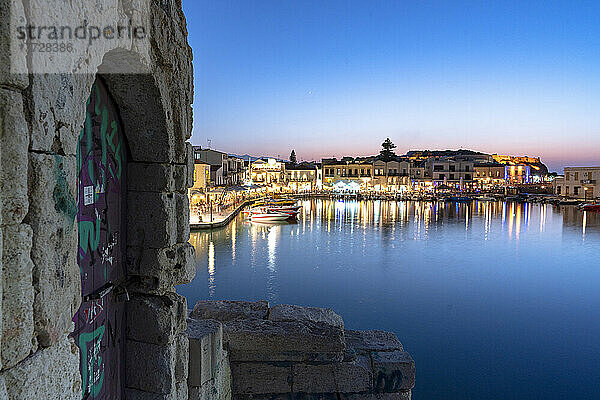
[(101, 212)]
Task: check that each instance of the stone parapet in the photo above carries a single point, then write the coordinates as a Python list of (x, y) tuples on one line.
[(293, 353)]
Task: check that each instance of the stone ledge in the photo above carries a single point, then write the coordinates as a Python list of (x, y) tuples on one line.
[(294, 353), (300, 341), (225, 311)]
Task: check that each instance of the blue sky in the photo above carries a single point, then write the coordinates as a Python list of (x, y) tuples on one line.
[(335, 78)]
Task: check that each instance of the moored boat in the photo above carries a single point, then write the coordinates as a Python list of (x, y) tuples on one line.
[(591, 207), (268, 216)]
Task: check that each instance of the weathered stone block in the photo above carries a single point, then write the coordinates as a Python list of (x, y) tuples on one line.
[(260, 378), (163, 268), (14, 141), (223, 310), (180, 178), (182, 348), (11, 58), (51, 373), (151, 219), (182, 216), (189, 164), (206, 350), (313, 378), (17, 294), (287, 312), (57, 106), (150, 367), (55, 244), (154, 319), (353, 377), (364, 342), (150, 177), (343, 377), (301, 341), (218, 388), (393, 371)]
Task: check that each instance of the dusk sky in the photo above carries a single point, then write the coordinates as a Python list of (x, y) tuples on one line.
[(335, 78)]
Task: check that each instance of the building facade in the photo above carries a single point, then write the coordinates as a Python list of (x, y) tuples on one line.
[(452, 173), (268, 172), (579, 183), (489, 175)]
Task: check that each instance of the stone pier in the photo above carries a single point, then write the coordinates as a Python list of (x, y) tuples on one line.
[(249, 351)]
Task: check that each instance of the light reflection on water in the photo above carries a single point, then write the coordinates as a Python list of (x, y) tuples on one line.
[(494, 300)]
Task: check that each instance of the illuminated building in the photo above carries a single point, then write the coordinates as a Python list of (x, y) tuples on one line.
[(578, 182)]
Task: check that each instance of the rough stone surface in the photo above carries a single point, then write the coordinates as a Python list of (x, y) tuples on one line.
[(12, 9), (151, 219), (286, 312), (206, 350), (155, 319), (372, 340), (393, 371), (260, 378), (217, 388), (333, 378), (225, 311), (182, 213), (150, 367), (264, 340), (313, 378), (14, 141), (356, 376), (161, 269), (150, 177), (17, 294), (54, 250), (49, 373)]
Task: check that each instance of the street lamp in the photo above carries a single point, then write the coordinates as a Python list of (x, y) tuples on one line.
[(585, 192)]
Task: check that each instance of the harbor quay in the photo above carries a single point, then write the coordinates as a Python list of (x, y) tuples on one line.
[(223, 181)]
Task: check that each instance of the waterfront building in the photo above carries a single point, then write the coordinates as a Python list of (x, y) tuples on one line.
[(233, 170), (216, 160), (269, 172), (302, 177), (579, 183), (452, 173), (489, 175), (201, 177), (392, 176), (348, 174)]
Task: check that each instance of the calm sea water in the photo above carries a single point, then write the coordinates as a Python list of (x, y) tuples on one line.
[(493, 300)]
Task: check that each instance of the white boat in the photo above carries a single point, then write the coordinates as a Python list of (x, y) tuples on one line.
[(485, 198), (268, 216)]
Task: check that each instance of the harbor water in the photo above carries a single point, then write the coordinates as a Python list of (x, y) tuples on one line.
[(494, 300)]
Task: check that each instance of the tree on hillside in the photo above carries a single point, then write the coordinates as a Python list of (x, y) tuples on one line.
[(387, 152), (293, 157)]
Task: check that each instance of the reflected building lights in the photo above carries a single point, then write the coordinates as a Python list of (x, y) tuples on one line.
[(211, 268)]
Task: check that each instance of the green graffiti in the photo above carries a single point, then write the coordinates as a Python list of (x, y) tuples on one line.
[(63, 198), (87, 371), (88, 238)]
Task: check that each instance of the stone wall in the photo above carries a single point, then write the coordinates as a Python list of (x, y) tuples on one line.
[(41, 116), (248, 350)]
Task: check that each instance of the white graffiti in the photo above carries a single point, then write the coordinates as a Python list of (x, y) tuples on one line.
[(106, 253)]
